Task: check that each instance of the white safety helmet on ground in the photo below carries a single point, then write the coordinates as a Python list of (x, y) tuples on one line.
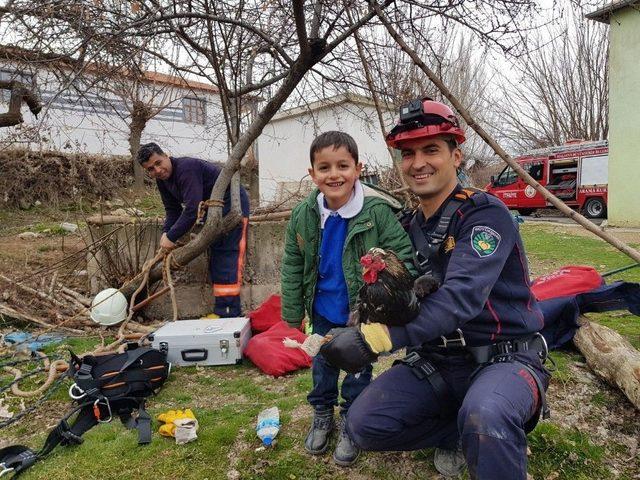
[(109, 307)]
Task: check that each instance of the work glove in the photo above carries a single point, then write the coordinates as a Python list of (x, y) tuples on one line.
[(179, 424), (353, 348)]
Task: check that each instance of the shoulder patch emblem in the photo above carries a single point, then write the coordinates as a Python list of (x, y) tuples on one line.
[(484, 240)]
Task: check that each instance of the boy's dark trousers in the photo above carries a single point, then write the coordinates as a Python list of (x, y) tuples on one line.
[(324, 395)]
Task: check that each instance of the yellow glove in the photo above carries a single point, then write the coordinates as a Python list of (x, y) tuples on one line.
[(377, 337), (169, 417)]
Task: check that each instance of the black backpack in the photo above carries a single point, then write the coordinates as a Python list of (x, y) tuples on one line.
[(105, 386)]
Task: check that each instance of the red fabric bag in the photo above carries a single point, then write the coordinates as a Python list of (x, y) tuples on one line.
[(268, 353), (266, 315), (569, 280)]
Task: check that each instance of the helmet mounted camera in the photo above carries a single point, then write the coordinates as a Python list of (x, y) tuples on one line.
[(425, 118)]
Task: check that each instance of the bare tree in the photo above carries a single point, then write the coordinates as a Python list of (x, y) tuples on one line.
[(560, 90), (248, 50)]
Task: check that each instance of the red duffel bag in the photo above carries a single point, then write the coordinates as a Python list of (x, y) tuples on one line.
[(568, 280), (266, 315), (268, 353)]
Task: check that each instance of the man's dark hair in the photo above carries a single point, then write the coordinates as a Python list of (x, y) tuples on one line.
[(451, 142), (336, 140), (145, 151)]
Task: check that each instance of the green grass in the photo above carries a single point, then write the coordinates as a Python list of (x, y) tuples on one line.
[(548, 250), (569, 454), (226, 401)]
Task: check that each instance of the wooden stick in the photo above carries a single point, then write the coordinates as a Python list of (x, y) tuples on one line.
[(79, 297), (75, 304), (482, 133), (10, 312), (119, 219), (149, 299), (283, 215), (53, 283)]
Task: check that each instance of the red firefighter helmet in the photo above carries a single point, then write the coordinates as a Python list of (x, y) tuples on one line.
[(424, 118)]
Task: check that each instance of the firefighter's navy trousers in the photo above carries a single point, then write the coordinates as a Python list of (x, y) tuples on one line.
[(226, 264), (399, 411)]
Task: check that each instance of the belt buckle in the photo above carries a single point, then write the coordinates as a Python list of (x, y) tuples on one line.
[(505, 348), (411, 358), (544, 354), (455, 341)]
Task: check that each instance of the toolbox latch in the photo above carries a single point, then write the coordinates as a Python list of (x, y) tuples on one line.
[(224, 348)]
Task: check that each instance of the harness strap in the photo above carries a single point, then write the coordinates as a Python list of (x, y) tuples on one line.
[(15, 459), (425, 370), (427, 249), (141, 423)]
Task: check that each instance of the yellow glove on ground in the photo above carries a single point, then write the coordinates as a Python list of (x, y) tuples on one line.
[(377, 337), (169, 417)]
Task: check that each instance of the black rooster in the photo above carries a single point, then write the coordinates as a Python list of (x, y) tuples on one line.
[(389, 294)]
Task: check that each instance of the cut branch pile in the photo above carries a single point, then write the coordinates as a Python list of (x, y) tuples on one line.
[(58, 306), (56, 177)]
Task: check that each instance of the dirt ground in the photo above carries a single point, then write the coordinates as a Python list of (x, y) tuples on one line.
[(579, 400)]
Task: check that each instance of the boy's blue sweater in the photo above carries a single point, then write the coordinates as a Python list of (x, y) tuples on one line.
[(332, 297)]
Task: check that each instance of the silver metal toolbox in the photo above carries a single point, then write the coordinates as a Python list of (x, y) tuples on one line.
[(203, 341)]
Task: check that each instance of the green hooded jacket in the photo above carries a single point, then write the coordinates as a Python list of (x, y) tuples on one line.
[(375, 226)]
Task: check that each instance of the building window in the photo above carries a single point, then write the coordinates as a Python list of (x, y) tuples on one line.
[(9, 75), (194, 110)]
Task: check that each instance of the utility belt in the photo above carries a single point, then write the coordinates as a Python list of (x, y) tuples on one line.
[(483, 355), (491, 353)]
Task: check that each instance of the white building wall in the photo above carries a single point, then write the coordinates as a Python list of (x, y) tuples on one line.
[(73, 123), (283, 146)]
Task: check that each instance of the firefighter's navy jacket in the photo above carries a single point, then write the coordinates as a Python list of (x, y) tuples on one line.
[(191, 182), (485, 291)]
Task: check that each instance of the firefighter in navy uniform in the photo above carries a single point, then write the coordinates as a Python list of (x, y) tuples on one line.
[(184, 183), (473, 383)]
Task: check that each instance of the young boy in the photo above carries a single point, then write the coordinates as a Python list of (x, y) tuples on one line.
[(321, 274)]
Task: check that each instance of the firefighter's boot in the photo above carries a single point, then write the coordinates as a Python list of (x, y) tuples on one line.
[(317, 440), (449, 463)]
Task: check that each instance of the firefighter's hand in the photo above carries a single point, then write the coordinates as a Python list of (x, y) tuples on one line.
[(353, 348), (166, 244)]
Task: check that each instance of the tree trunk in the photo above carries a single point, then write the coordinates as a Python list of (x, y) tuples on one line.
[(249, 175), (19, 93), (139, 118), (611, 357)]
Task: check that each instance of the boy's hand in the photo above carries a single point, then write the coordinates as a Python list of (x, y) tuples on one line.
[(352, 349)]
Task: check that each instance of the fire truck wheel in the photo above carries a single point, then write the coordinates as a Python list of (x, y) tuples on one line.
[(595, 208), (525, 212)]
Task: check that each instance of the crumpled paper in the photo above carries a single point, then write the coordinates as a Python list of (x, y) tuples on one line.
[(311, 346), (186, 429)]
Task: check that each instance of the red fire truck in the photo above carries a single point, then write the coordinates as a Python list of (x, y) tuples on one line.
[(576, 172)]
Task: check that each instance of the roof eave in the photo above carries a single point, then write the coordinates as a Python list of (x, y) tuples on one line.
[(603, 14)]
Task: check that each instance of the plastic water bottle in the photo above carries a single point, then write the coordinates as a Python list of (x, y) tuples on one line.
[(268, 425)]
